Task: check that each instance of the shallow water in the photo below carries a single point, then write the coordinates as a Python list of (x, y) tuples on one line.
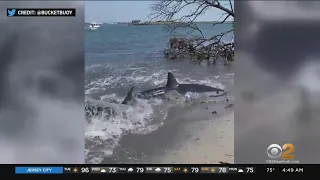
[(119, 57)]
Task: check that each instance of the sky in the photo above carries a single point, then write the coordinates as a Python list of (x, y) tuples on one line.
[(126, 11)]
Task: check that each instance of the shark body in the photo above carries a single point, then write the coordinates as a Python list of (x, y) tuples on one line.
[(173, 85)]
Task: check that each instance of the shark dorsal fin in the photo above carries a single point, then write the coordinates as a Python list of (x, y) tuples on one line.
[(171, 82), (128, 97)]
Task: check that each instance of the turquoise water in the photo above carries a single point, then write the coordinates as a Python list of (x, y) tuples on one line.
[(118, 57)]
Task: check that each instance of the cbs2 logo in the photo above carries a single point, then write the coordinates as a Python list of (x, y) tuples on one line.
[(275, 151)]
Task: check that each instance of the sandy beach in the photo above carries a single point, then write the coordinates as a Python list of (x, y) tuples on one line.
[(213, 143), (192, 135)]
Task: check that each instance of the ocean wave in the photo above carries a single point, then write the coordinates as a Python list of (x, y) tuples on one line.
[(140, 77), (108, 120)]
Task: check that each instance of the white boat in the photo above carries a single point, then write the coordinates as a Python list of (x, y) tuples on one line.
[(94, 26)]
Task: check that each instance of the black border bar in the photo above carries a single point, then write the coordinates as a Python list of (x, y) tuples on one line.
[(207, 169)]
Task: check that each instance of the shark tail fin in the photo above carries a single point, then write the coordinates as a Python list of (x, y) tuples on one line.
[(171, 82), (128, 97)]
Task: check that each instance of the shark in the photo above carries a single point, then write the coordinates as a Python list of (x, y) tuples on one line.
[(96, 108), (173, 85)]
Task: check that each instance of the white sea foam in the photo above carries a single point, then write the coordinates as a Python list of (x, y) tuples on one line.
[(145, 116)]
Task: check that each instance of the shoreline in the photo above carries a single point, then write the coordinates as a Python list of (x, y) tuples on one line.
[(211, 145), (192, 135), (142, 138)]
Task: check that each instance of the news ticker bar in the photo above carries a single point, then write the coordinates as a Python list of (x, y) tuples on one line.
[(163, 169), (134, 170), (15, 12), (267, 169)]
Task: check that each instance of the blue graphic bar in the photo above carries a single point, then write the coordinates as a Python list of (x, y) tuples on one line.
[(39, 170)]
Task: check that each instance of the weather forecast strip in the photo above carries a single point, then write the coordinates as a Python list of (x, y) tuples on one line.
[(97, 170), (229, 169), (160, 170), (14, 12)]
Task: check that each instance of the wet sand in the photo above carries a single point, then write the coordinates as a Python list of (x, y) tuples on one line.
[(210, 145), (194, 134)]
